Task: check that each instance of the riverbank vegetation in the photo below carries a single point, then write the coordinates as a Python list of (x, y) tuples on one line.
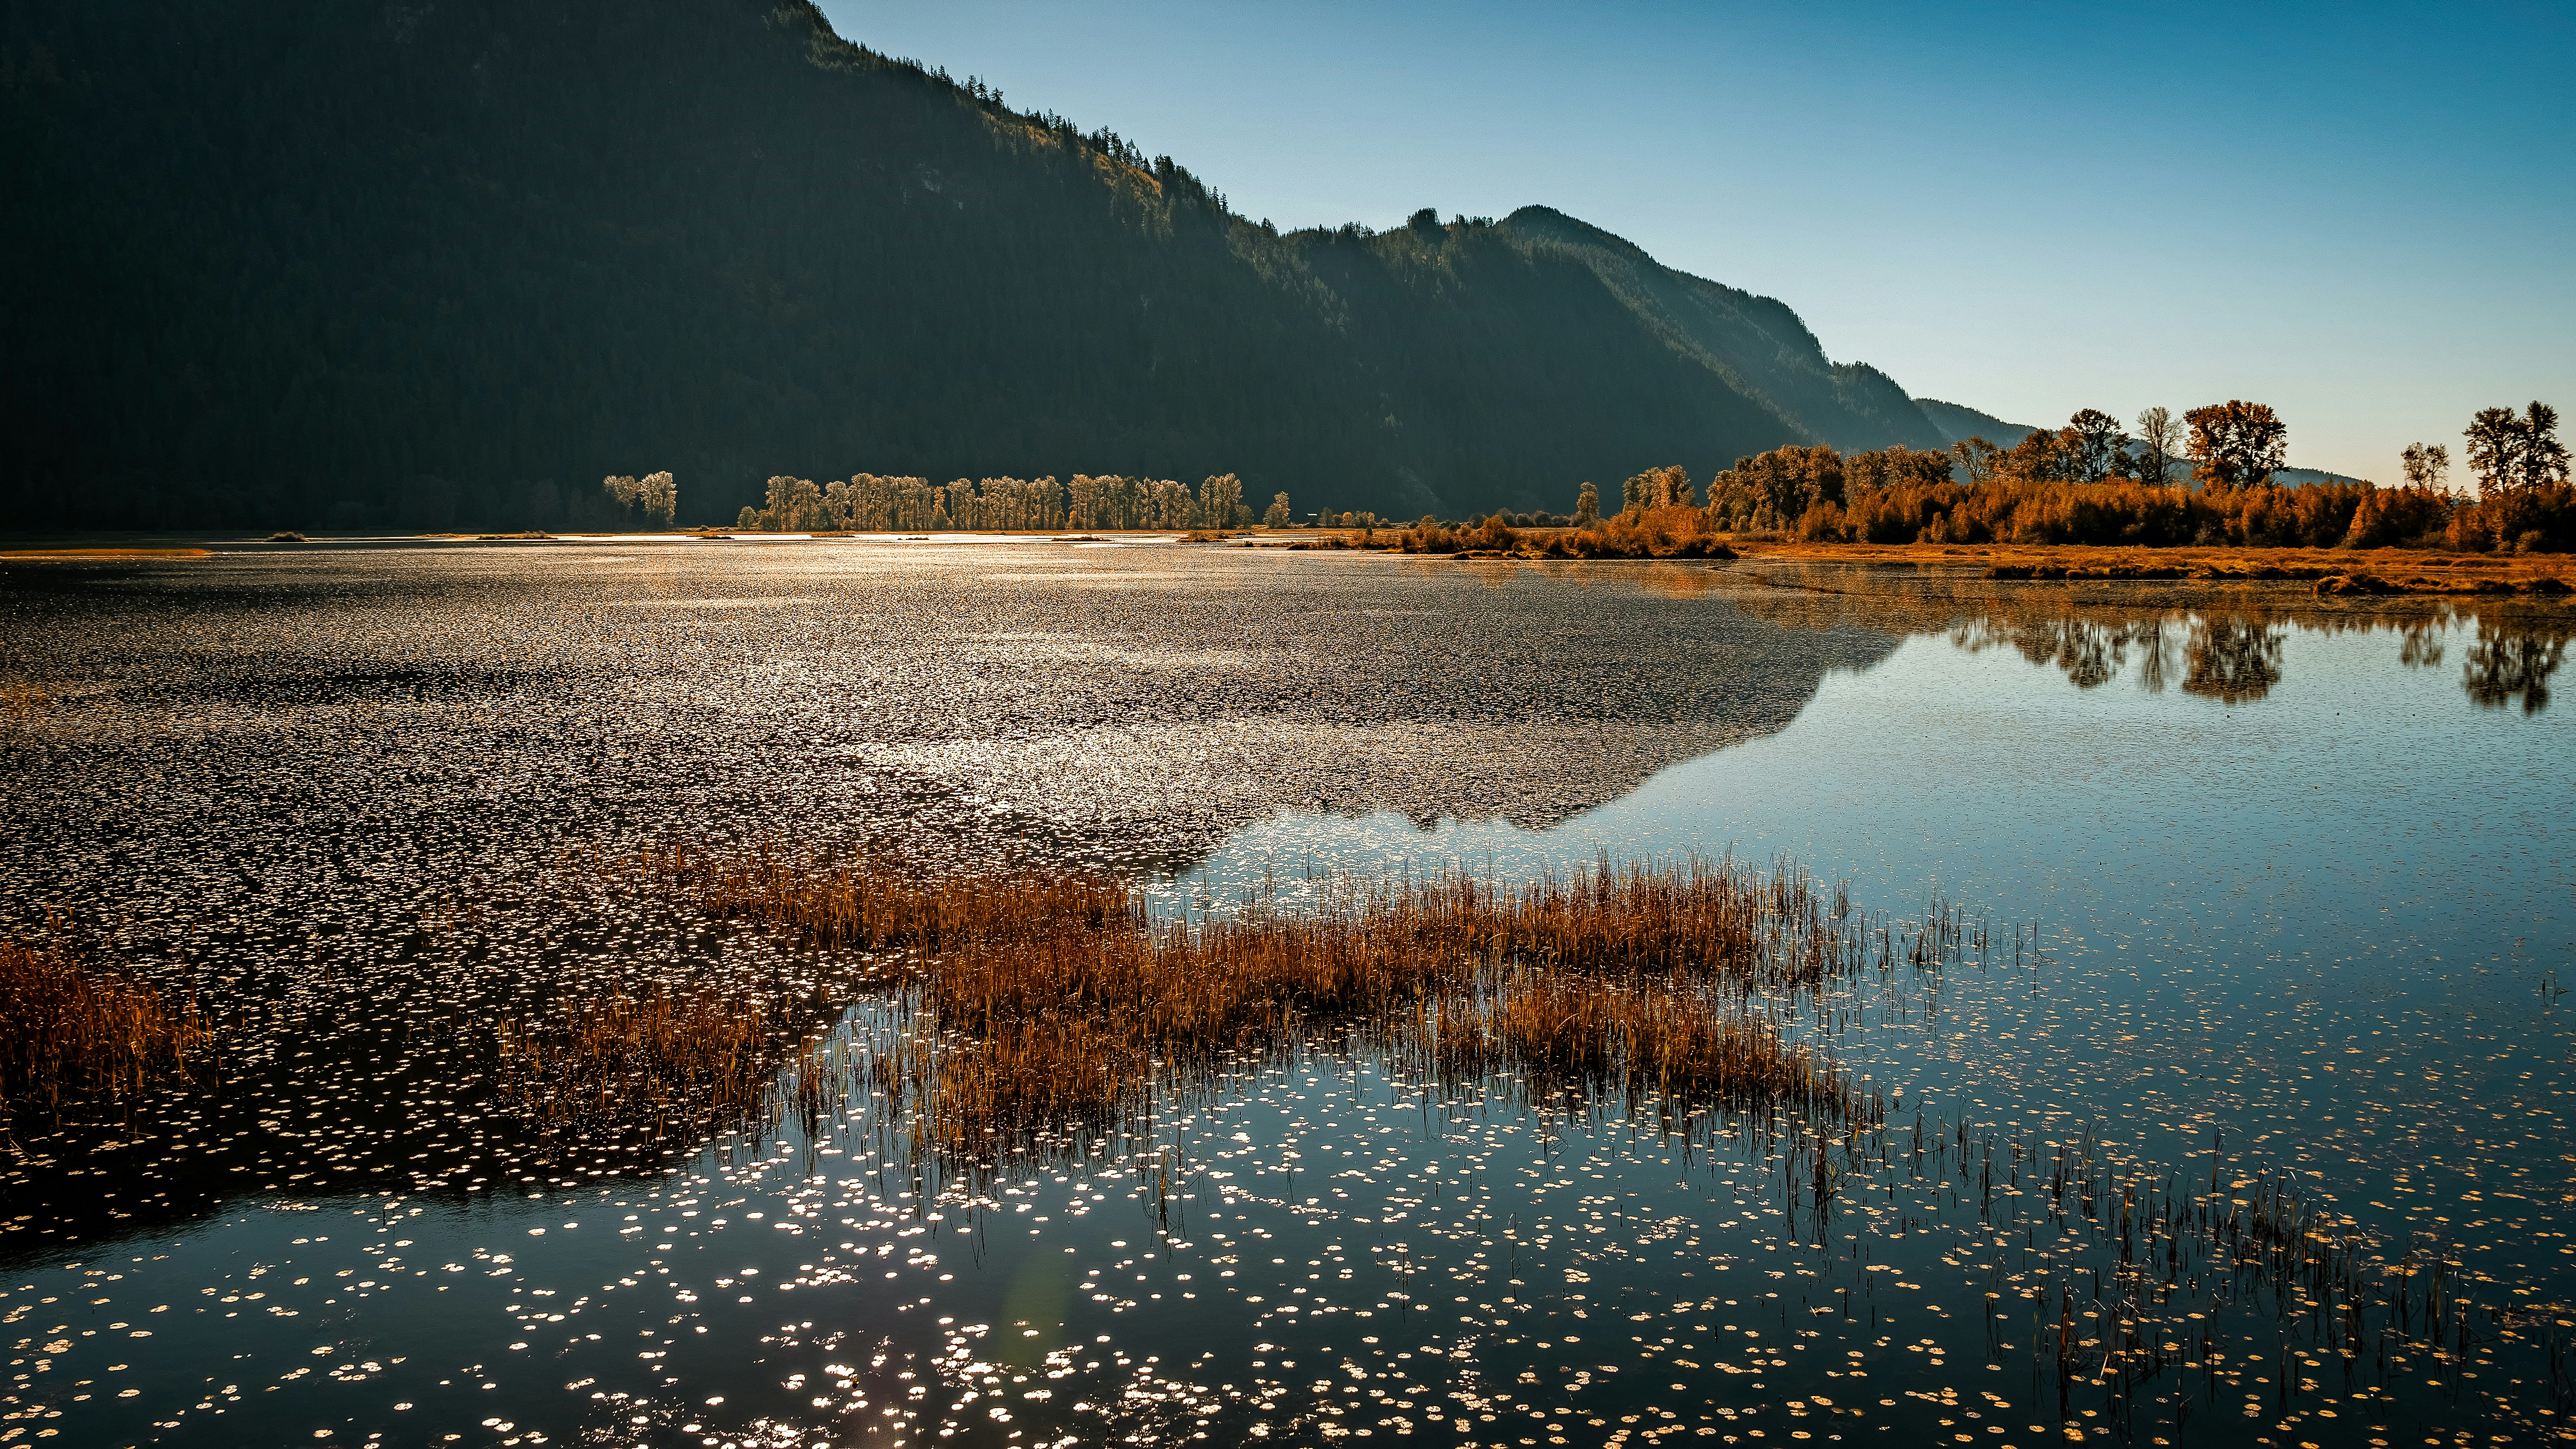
[(1661, 532), (2088, 483)]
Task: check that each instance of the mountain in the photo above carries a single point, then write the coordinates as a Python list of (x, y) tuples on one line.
[(1754, 345), (276, 263), (1958, 424)]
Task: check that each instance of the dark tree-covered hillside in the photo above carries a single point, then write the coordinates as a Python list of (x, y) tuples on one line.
[(416, 265)]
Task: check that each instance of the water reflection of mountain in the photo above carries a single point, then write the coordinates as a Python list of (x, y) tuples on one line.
[(1130, 706), (1436, 692), (2219, 644)]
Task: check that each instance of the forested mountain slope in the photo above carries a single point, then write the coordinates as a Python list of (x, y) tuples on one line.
[(299, 262), (1755, 345), (1957, 424)]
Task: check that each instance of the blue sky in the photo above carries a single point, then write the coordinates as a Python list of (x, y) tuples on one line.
[(2362, 214)]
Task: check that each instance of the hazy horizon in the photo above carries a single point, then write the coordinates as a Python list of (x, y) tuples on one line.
[(1969, 202)]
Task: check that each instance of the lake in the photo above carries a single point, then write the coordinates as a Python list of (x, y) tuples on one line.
[(2203, 911)]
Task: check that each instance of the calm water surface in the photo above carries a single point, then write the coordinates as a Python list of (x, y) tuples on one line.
[(2271, 895)]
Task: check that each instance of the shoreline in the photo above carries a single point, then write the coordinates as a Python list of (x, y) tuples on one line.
[(2329, 572)]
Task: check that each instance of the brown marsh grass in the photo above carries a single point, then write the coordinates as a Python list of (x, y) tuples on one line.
[(81, 554), (70, 1031), (22, 700), (1048, 1001), (660, 1051)]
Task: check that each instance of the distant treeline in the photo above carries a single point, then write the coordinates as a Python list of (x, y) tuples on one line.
[(2092, 483), (868, 503)]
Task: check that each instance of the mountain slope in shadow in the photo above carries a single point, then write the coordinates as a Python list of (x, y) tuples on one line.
[(430, 266)]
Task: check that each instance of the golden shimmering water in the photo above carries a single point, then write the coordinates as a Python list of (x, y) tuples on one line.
[(2274, 893)]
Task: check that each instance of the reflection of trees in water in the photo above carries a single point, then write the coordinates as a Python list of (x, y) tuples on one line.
[(2422, 648), (2506, 662), (2224, 645), (2091, 652), (2227, 649), (2232, 660)]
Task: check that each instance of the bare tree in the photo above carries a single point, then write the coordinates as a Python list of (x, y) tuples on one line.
[(2159, 442), (2427, 465)]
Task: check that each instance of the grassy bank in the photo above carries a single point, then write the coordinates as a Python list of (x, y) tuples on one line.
[(2385, 570), (2328, 571)]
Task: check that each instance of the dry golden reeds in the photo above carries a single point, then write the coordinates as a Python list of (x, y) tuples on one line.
[(656, 1050), (1055, 1003), (22, 699), (71, 1031)]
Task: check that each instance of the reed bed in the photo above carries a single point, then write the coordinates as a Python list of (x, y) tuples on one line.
[(1052, 1004), (71, 1031), (22, 700), (658, 1051)]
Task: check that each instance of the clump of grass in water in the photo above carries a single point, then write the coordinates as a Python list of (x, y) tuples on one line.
[(659, 1050), (22, 699), (73, 1031), (1055, 1001)]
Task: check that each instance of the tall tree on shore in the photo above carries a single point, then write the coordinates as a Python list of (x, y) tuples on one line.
[(1277, 515), (661, 497), (2236, 444), (2509, 453), (2544, 458), (2159, 436), (1587, 505), (2096, 444), (1221, 502), (2495, 436), (654, 494)]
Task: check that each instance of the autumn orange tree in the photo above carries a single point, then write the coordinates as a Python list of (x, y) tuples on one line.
[(2237, 444)]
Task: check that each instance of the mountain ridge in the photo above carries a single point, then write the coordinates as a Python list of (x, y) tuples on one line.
[(448, 266)]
